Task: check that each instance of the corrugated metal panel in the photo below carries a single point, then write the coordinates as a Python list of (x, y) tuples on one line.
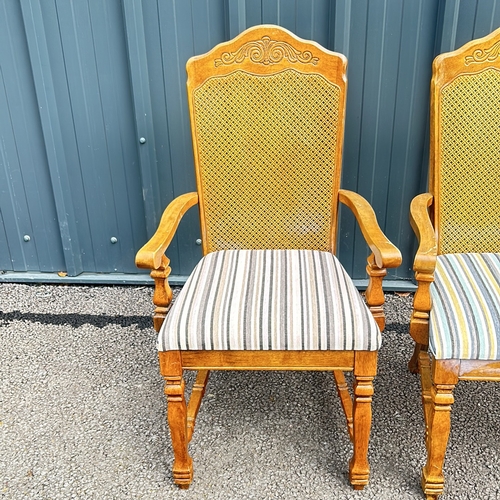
[(26, 201), (79, 62), (82, 82), (462, 20)]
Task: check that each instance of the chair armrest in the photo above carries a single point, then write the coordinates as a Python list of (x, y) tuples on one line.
[(425, 259), (384, 252), (424, 266), (151, 254)]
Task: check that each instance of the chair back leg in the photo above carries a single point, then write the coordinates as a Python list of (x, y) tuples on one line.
[(345, 399), (197, 394)]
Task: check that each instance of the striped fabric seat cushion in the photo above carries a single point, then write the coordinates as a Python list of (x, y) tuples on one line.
[(465, 314), (269, 300)]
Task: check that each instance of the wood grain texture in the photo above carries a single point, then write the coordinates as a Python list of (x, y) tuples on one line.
[(151, 254), (268, 360)]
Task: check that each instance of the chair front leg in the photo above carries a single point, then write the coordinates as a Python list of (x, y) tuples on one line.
[(365, 367), (445, 377), (171, 369)]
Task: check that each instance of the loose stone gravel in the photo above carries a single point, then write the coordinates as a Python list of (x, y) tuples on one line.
[(82, 414)]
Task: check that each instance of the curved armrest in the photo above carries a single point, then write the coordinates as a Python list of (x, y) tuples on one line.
[(151, 254), (425, 259), (384, 252)]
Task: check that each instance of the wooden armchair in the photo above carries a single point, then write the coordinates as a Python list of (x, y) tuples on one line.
[(267, 119), (456, 311)]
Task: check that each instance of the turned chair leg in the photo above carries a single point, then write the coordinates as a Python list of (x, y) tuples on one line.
[(171, 369), (438, 426), (364, 372)]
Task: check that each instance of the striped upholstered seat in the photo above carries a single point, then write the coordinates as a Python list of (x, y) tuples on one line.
[(465, 316), (269, 300)]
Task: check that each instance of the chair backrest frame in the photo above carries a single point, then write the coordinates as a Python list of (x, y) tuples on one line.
[(265, 56), (464, 174)]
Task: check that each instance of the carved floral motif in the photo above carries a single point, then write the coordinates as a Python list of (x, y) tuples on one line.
[(480, 55), (266, 51)]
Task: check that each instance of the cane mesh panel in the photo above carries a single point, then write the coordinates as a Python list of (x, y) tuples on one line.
[(266, 159), (469, 208)]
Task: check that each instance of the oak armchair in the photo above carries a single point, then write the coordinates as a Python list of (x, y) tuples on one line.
[(267, 120), (456, 312)]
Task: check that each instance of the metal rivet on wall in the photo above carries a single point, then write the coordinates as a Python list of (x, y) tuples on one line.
[(113, 239), (198, 241), (26, 237), (142, 140)]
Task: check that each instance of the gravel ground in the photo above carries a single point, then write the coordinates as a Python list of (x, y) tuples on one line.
[(82, 414)]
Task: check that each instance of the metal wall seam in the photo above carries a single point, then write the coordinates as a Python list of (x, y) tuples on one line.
[(142, 101), (51, 126), (237, 17), (13, 207)]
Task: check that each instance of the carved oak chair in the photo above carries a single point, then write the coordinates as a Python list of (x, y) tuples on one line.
[(456, 312), (267, 120)]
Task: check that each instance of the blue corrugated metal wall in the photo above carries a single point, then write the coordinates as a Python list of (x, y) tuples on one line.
[(94, 132)]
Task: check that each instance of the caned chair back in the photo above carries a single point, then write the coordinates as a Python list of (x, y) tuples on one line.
[(267, 120), (465, 147)]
